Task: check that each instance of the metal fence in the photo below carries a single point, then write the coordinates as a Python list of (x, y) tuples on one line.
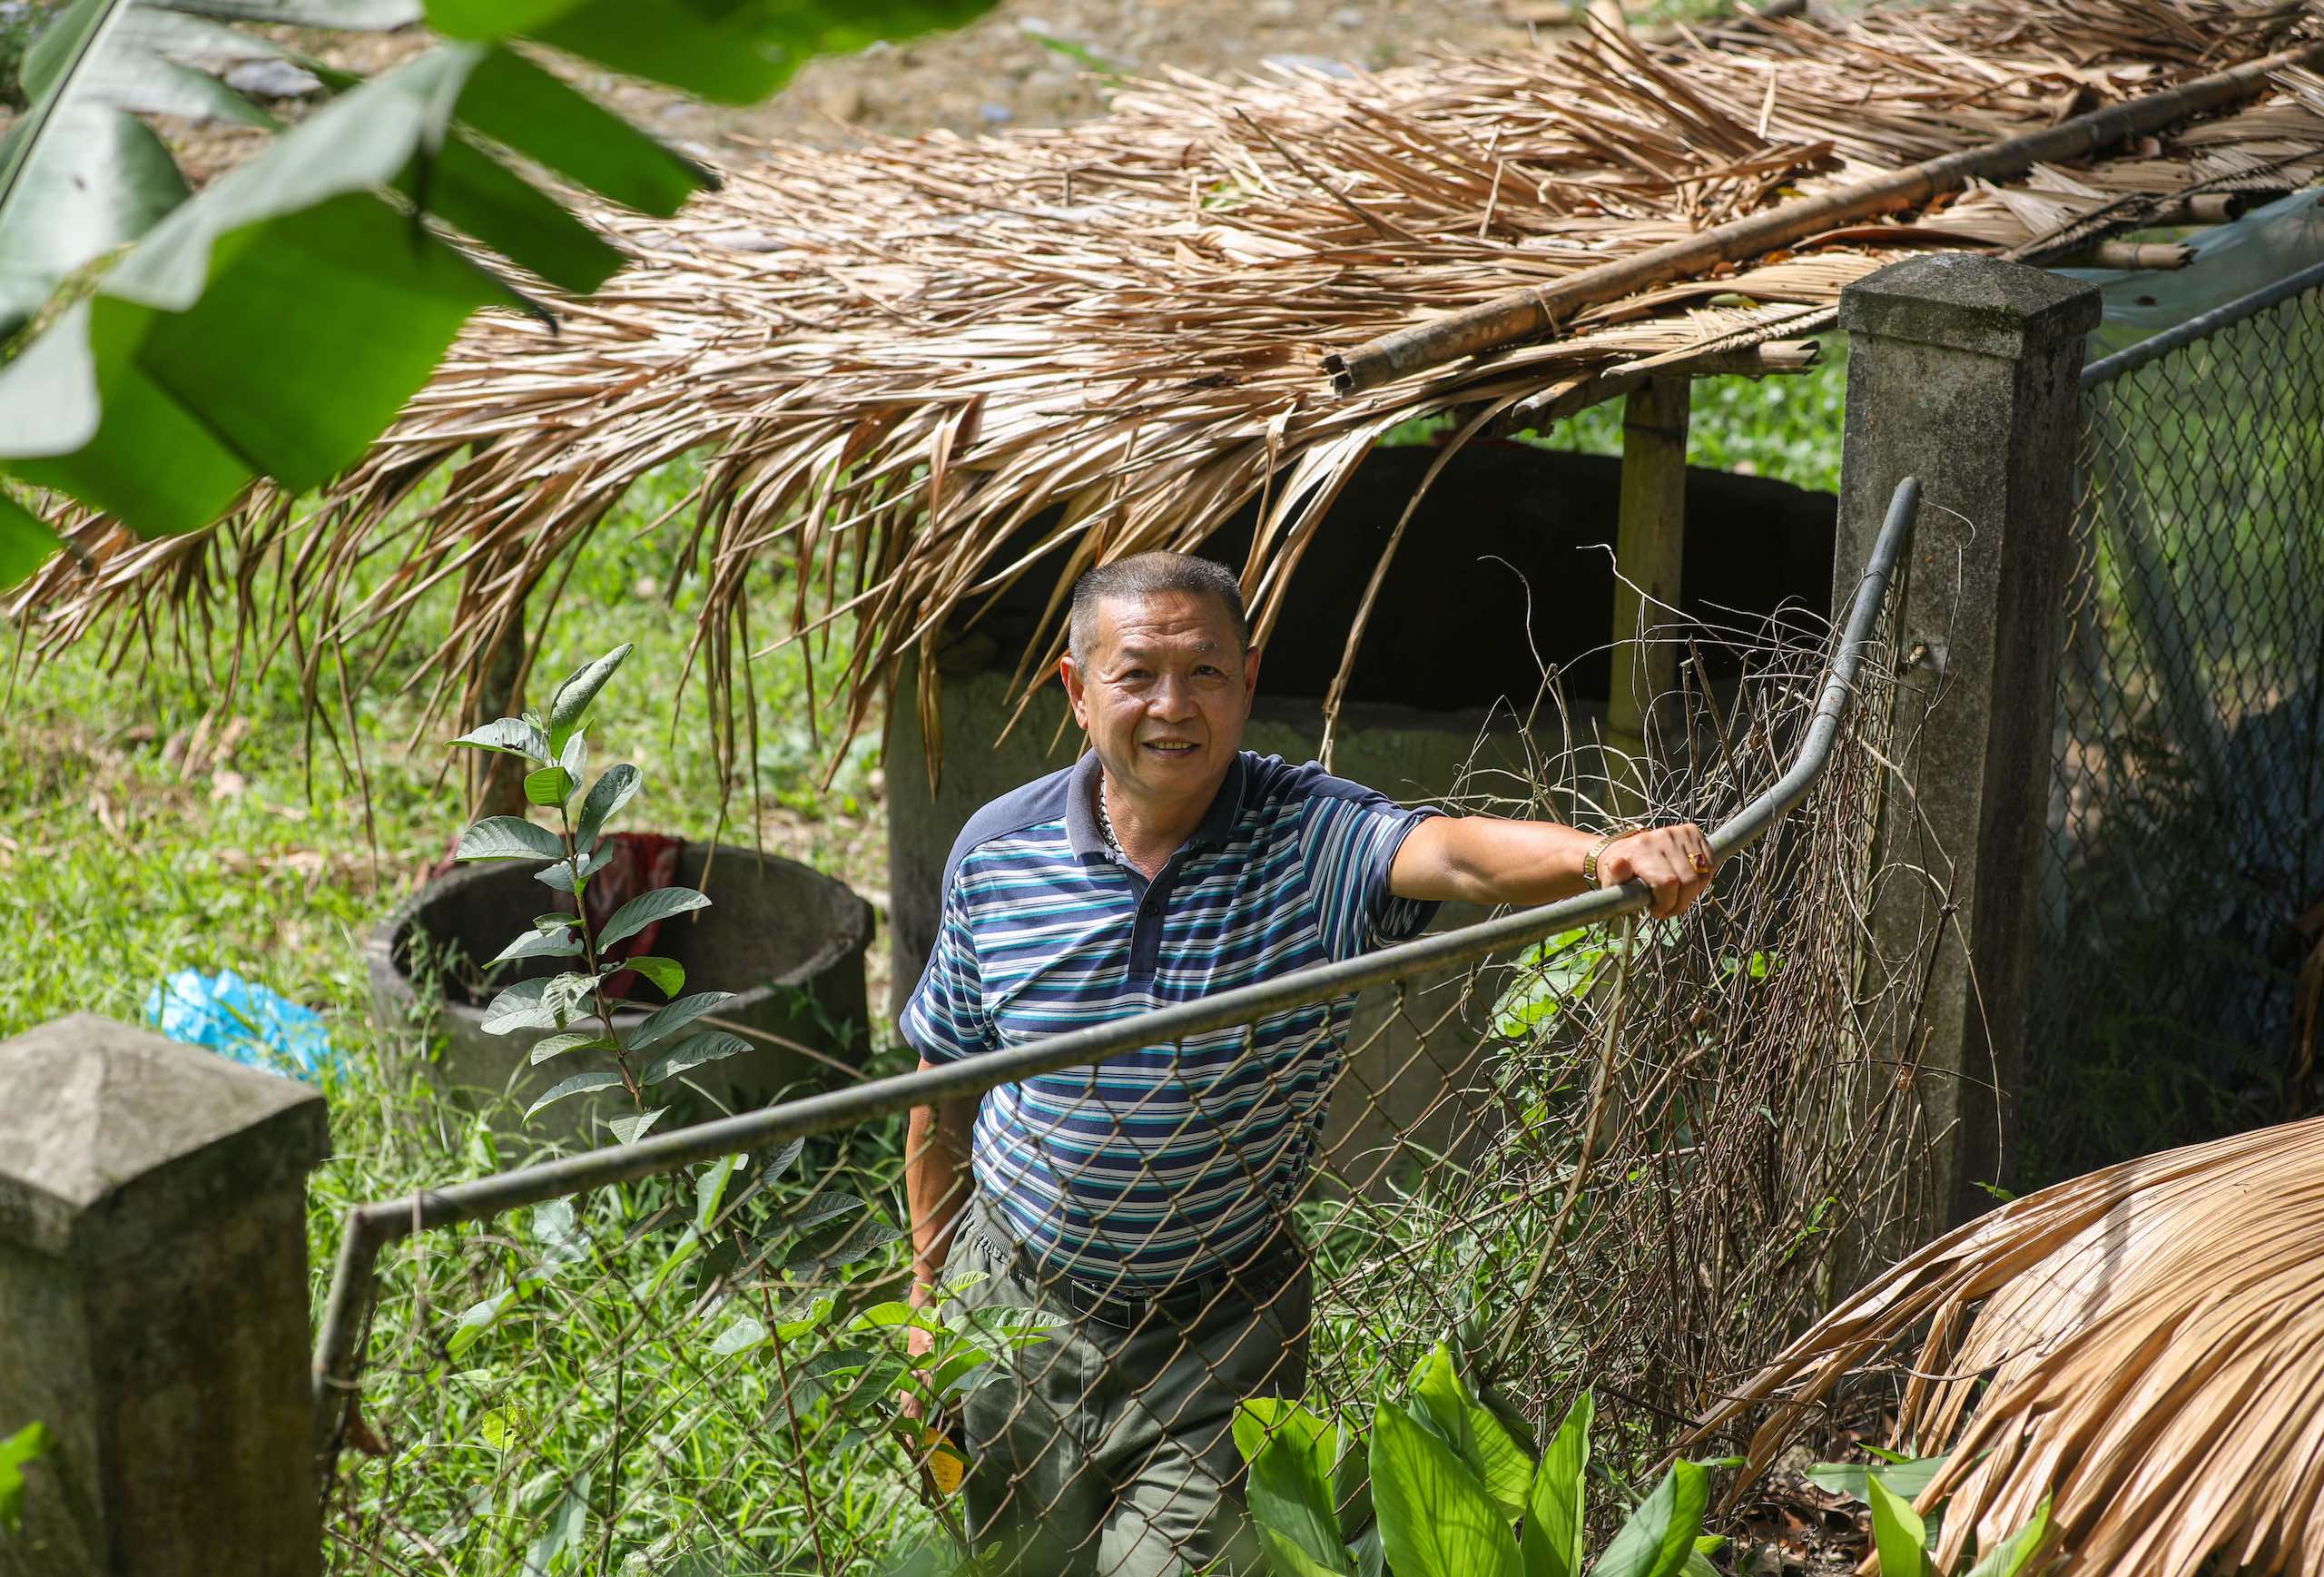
[(1575, 1146), (2183, 886)]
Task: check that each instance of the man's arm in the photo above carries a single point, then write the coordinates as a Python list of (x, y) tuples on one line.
[(937, 1184), (1486, 859)]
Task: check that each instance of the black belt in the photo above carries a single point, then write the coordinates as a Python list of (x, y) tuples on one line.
[(1265, 1272)]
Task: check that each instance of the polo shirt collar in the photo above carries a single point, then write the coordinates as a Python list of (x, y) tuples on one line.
[(1084, 837)]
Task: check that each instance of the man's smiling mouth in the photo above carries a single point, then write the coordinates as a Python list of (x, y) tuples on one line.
[(1173, 746)]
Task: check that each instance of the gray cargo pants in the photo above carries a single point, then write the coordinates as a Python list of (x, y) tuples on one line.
[(1105, 1451)]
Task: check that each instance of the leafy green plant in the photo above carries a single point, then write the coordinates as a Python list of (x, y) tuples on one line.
[(1451, 1492), (182, 344), (573, 851), (1902, 1540)]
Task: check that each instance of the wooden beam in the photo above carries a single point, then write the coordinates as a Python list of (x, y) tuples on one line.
[(1533, 309), (1649, 556)]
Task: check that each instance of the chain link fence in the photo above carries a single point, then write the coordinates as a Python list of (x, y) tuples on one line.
[(2182, 892), (1575, 1147)]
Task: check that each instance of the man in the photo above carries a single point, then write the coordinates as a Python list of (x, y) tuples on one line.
[(1146, 1201)]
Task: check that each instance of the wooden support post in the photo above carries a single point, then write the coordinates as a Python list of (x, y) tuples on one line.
[(1648, 555)]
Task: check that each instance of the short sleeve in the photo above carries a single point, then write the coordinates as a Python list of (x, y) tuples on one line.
[(1349, 836), (945, 1019)]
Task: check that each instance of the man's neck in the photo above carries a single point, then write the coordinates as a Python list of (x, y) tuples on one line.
[(1147, 834)]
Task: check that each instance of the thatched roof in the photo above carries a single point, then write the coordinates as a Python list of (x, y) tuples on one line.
[(898, 355)]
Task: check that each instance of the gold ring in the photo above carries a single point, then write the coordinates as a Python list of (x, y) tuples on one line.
[(1702, 863)]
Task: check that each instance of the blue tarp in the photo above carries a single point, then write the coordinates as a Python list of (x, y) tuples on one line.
[(251, 1023)]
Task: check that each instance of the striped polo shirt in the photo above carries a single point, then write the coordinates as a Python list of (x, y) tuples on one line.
[(1168, 1160)]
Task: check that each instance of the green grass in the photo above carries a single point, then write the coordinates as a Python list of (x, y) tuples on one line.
[(148, 826)]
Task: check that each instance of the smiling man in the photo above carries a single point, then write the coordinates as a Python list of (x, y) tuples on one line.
[(1146, 1201)]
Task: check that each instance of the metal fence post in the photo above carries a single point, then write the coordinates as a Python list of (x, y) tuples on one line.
[(154, 1306), (1962, 371)]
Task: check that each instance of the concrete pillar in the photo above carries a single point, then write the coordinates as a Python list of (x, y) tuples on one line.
[(1962, 373), (154, 1306), (1649, 560)]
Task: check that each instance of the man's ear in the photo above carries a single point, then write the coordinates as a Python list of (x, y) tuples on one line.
[(1069, 672), (1250, 675)]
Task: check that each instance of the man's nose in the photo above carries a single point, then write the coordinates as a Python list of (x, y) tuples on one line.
[(1172, 700)]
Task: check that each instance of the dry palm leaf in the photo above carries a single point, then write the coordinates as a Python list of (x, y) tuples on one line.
[(897, 355), (2149, 1351)]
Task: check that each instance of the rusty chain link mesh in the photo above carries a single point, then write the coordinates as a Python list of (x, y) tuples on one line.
[(2186, 840), (1625, 1159)]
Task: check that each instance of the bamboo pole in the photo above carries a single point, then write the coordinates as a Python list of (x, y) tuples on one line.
[(1649, 557), (1536, 309), (2136, 255)]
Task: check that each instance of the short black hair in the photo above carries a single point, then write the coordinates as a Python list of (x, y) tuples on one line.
[(1147, 574)]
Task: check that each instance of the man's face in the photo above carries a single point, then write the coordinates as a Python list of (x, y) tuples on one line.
[(1164, 688)]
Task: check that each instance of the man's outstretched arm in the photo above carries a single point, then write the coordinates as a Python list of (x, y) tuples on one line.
[(938, 1140), (1486, 860)]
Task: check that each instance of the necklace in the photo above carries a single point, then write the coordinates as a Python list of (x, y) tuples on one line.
[(1106, 822)]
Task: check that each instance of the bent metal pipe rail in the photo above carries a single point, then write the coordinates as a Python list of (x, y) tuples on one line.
[(370, 1228)]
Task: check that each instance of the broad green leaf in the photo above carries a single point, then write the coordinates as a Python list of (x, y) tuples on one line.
[(1483, 1441), (740, 1336), (27, 1445), (555, 919), (525, 1005), (605, 798), (96, 181), (1371, 1555), (1555, 1510), (1286, 1559), (688, 1245), (647, 908), (1290, 1497), (146, 63), (467, 187), (1908, 1476), (508, 838), (571, 702), (1262, 1419), (477, 1319), (515, 102), (666, 973), (579, 1084), (25, 542), (1898, 1535), (1660, 1534), (509, 735), (291, 248), (562, 1531), (570, 1040), (506, 1428), (671, 1017), (549, 786), (710, 1188), (1435, 1518), (2011, 1555), (828, 1248), (560, 877), (706, 1045), (628, 1130), (540, 944)]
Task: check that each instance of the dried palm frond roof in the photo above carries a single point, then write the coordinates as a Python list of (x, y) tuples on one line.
[(2144, 1344), (899, 355)]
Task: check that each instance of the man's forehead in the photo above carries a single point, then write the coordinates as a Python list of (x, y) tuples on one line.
[(1178, 620)]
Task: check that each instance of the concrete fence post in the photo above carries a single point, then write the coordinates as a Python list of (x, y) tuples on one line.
[(154, 1307), (1962, 371)]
